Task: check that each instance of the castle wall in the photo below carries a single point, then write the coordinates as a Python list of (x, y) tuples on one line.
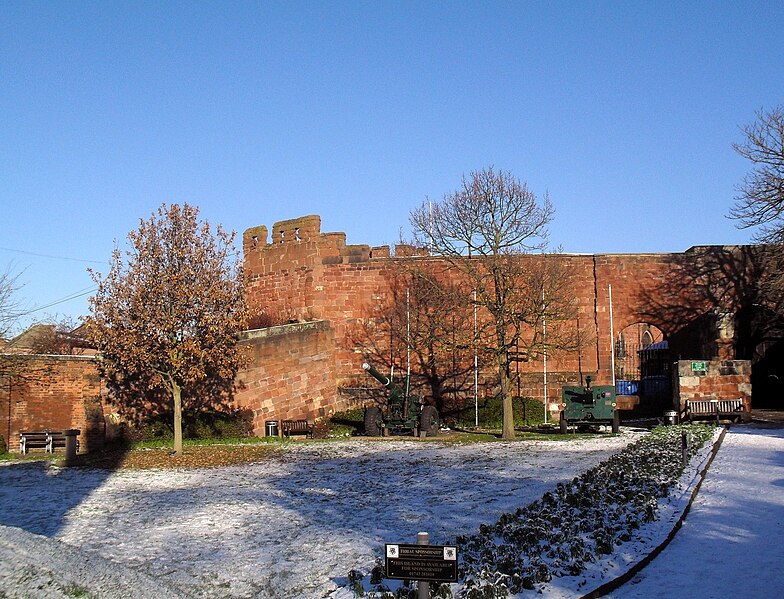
[(329, 289), (291, 374), (721, 379), (314, 275)]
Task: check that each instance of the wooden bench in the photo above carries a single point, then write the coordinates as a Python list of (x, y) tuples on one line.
[(715, 408), (297, 427), (48, 440)]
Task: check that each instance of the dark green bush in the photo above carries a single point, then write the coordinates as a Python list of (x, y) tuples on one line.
[(212, 424), (527, 411)]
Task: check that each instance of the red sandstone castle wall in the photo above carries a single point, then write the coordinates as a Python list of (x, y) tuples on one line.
[(301, 274), (304, 274), (291, 374), (722, 379)]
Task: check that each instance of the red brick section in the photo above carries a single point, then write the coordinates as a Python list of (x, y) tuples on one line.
[(51, 392), (291, 374), (329, 288), (318, 276), (723, 379)]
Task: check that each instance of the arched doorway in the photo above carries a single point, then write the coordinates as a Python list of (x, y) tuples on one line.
[(629, 343), (642, 367)]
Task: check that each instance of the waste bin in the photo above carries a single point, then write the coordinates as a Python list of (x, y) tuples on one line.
[(670, 417), (271, 428)]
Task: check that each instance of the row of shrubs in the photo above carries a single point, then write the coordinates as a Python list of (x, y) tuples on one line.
[(206, 424), (573, 525)]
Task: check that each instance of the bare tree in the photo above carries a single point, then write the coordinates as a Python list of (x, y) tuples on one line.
[(426, 323), (483, 231), (760, 196), (166, 321), (9, 307)]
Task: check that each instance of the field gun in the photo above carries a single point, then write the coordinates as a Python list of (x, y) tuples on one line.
[(402, 413), (589, 406)]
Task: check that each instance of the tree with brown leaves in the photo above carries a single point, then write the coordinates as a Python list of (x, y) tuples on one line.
[(167, 316), (483, 231)]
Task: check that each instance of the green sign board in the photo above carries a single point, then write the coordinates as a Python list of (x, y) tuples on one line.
[(699, 366)]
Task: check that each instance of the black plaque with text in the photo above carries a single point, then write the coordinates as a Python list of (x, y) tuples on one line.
[(433, 563)]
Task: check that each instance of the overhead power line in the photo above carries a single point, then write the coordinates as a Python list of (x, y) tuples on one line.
[(73, 296), (53, 257)]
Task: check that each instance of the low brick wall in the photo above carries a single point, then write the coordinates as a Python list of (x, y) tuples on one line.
[(291, 374), (40, 392), (720, 379)]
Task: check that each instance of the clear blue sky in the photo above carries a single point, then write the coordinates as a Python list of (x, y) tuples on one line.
[(624, 112)]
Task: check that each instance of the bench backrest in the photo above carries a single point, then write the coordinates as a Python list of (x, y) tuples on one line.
[(296, 425), (711, 406)]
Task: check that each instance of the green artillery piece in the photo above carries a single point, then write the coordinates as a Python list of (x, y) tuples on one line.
[(588, 406), (402, 414)]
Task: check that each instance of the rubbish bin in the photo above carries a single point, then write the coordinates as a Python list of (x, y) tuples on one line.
[(271, 428), (670, 417)]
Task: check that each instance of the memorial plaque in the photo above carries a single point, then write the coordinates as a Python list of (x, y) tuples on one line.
[(432, 563)]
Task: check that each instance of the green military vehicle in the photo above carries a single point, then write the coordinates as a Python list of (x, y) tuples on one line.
[(403, 413), (589, 407)]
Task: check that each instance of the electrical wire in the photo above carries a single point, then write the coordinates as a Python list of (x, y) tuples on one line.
[(73, 296), (52, 256)]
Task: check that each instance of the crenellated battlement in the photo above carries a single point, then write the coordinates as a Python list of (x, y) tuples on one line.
[(299, 242)]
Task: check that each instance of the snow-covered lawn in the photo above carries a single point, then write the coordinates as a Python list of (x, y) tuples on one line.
[(292, 526)]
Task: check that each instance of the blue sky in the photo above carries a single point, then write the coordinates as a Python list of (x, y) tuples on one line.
[(624, 112)]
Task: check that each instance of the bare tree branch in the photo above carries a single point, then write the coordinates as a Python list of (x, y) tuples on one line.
[(483, 230)]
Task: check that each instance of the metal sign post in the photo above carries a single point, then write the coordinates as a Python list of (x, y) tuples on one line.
[(423, 587)]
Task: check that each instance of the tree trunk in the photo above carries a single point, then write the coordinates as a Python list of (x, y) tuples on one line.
[(177, 395), (508, 432)]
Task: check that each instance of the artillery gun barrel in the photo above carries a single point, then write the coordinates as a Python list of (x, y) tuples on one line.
[(376, 374)]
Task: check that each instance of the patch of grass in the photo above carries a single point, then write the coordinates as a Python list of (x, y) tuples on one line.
[(78, 591), (527, 412), (166, 442), (30, 457)]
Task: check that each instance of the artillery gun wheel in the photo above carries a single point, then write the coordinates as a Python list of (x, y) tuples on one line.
[(373, 422), (563, 424), (616, 423), (428, 421)]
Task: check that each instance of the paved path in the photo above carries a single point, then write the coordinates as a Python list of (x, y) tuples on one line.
[(732, 542)]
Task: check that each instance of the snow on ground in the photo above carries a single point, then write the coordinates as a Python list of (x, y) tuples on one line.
[(295, 525), (291, 526), (731, 544)]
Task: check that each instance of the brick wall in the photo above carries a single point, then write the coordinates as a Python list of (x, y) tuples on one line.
[(302, 274), (722, 379), (317, 275), (51, 392), (291, 374)]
